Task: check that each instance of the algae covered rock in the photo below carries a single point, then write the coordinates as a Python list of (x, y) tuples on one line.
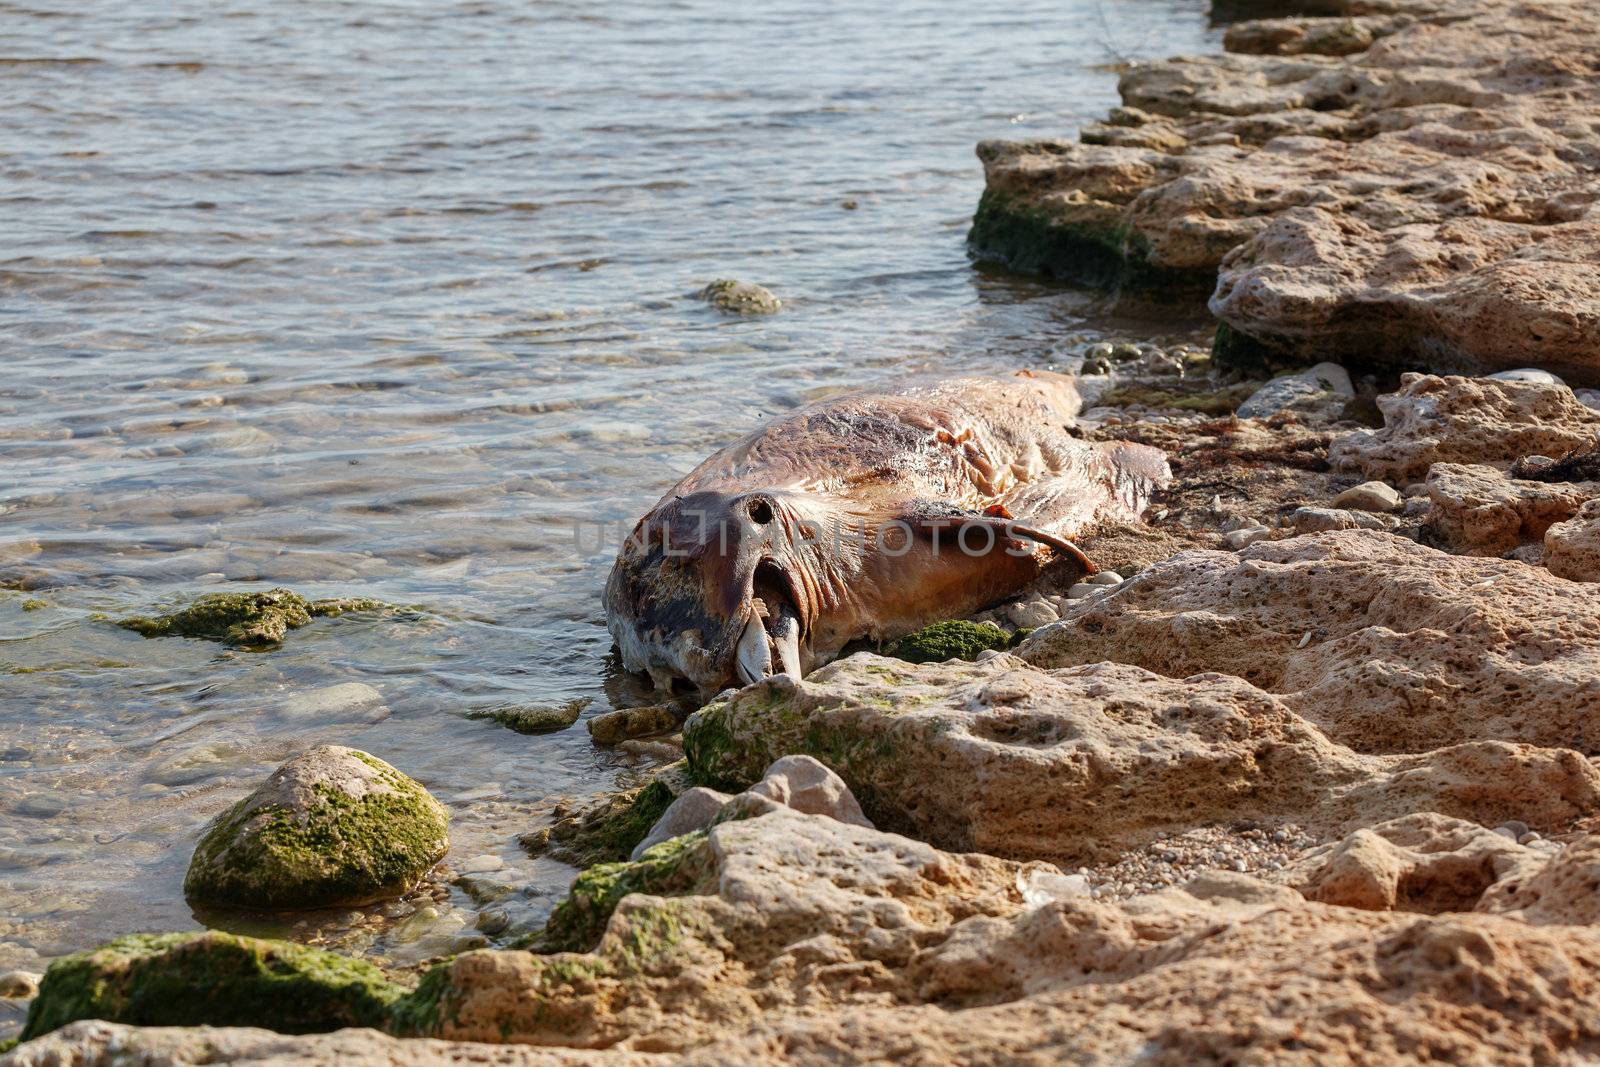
[(213, 979), (246, 620), (674, 867), (535, 719), (607, 830), (952, 639), (331, 827), (740, 298)]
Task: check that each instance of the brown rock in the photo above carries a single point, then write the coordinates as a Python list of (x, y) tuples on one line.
[(1080, 764), (1427, 200), (1424, 863), (1481, 511), (1564, 891), (1387, 645), (817, 942), (1572, 547), (1451, 419)]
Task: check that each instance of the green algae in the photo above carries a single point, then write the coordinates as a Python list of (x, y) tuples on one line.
[(343, 850), (606, 832), (34, 604), (247, 620), (1102, 256), (679, 866), (1233, 349), (951, 639), (213, 979), (538, 719), (423, 1011)]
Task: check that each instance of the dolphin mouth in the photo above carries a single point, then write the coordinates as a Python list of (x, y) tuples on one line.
[(769, 643)]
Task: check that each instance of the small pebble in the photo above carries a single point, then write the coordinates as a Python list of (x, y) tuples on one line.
[(1081, 590), (1369, 496), (1104, 578), (481, 865), (16, 985), (1237, 539)]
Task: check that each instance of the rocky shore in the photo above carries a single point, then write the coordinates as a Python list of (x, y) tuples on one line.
[(1403, 183), (1306, 774)]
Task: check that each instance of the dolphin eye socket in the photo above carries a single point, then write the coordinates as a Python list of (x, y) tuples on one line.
[(760, 512)]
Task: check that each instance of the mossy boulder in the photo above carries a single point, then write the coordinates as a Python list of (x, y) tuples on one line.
[(951, 639), (246, 620), (213, 979), (740, 298), (681, 865), (607, 830), (331, 827)]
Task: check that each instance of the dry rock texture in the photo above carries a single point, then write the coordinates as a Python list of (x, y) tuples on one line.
[(1387, 645), (1451, 419), (1572, 547), (1420, 192), (1423, 863), (1081, 764), (807, 940), (1481, 511)]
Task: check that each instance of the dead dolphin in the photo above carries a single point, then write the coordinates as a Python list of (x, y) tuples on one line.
[(867, 515)]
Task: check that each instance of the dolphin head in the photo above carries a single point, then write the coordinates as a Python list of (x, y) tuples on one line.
[(717, 588)]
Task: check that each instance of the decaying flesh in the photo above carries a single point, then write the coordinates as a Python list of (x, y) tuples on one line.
[(865, 516)]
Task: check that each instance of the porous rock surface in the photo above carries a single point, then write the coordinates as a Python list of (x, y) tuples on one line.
[(1451, 419), (1423, 192), (333, 826), (1572, 547), (1385, 644), (1081, 764), (1483, 511), (807, 940)]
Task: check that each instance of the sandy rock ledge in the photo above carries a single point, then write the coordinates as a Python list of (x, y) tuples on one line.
[(1420, 193)]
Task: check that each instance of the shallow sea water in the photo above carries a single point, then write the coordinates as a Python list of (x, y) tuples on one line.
[(390, 299)]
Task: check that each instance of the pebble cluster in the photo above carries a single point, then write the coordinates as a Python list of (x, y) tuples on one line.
[(1173, 859)]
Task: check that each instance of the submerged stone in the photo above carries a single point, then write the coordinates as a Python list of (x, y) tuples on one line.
[(740, 298), (213, 979), (331, 827), (539, 719), (246, 620)]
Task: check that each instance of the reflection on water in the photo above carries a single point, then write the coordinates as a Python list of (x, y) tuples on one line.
[(382, 299)]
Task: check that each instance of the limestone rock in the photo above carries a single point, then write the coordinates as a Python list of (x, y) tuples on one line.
[(1572, 547), (1481, 511), (961, 754), (806, 785), (1424, 863), (1386, 644), (1564, 891), (694, 809), (1370, 496), (333, 826), (789, 938), (1451, 419), (1325, 388), (246, 620), (1318, 520), (1425, 199), (797, 782)]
